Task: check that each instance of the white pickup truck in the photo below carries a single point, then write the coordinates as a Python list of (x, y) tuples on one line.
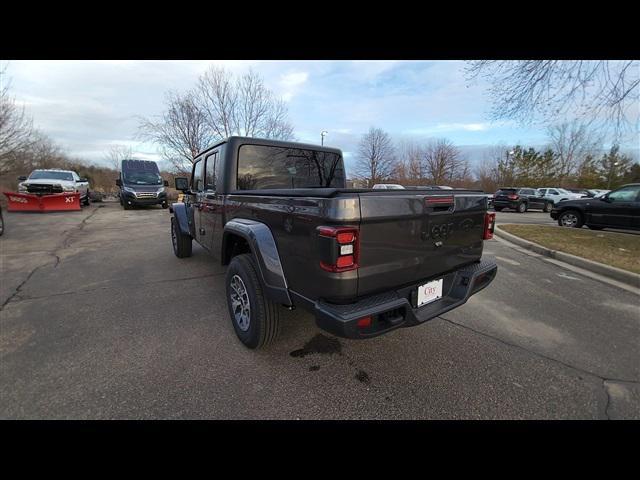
[(55, 181)]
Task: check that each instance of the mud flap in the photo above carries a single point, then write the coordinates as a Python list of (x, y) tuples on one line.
[(26, 202)]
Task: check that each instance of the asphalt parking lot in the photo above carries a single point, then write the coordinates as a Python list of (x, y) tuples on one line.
[(100, 320)]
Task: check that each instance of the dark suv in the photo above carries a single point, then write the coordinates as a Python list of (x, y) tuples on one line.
[(617, 209), (520, 200)]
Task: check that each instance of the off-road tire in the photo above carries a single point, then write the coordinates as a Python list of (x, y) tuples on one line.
[(181, 242), (264, 315)]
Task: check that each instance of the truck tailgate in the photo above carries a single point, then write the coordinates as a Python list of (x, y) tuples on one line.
[(409, 238)]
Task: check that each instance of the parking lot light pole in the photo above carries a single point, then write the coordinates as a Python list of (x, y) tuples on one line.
[(322, 134)]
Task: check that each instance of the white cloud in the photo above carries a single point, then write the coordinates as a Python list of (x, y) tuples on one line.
[(290, 84)]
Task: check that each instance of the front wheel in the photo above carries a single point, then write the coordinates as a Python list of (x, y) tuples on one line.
[(165, 205), (182, 243), (547, 207), (522, 207), (570, 218), (255, 318)]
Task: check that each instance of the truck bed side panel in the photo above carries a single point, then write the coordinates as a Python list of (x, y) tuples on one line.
[(293, 222)]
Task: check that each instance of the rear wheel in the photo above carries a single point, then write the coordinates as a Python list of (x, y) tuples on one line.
[(522, 207), (570, 218), (547, 207), (255, 318), (182, 243)]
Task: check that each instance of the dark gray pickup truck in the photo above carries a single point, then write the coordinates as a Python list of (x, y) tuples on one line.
[(362, 261)]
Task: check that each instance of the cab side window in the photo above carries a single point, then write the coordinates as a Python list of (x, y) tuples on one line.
[(210, 172), (626, 194), (197, 179), (553, 192)]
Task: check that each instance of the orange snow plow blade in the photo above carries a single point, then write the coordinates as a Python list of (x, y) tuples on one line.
[(26, 202)]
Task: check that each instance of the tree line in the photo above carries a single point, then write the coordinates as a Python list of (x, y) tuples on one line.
[(572, 158)]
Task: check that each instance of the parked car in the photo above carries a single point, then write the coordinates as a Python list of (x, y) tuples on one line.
[(141, 184), (556, 194), (55, 181), (427, 187), (279, 215), (580, 191), (520, 199), (595, 193), (617, 209), (387, 186)]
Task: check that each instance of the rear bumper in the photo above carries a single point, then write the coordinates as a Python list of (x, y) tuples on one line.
[(397, 308), (505, 204)]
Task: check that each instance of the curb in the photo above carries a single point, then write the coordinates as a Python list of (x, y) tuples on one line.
[(624, 276)]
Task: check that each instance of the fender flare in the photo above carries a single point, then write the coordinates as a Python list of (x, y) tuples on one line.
[(265, 252), (182, 217)]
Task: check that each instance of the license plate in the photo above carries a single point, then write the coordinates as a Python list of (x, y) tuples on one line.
[(429, 292)]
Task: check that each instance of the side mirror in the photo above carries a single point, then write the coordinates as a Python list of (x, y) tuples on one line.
[(22, 178), (119, 182), (166, 183), (182, 184)]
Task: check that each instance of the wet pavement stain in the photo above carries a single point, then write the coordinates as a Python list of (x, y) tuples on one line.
[(319, 344), (314, 368), (362, 376)]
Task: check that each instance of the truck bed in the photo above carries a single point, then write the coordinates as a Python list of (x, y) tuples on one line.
[(403, 237)]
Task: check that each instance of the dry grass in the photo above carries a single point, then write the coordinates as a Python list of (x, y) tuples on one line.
[(619, 250)]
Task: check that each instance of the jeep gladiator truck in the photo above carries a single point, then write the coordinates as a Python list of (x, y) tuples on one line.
[(362, 261)]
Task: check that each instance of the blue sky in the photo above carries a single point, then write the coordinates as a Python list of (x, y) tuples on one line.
[(87, 106)]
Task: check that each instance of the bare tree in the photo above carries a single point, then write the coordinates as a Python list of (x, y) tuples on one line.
[(572, 143), (522, 90), (116, 154), (443, 163), (242, 107), (376, 157), (16, 128), (410, 166), (181, 131)]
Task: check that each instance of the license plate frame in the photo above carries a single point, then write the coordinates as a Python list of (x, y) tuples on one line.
[(429, 292)]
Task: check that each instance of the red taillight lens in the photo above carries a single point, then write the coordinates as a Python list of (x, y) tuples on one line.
[(512, 197), (345, 237), (364, 322), (489, 225), (338, 248), (345, 261)]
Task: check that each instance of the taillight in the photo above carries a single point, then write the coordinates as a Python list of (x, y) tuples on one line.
[(513, 197), (338, 248), (489, 225)]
